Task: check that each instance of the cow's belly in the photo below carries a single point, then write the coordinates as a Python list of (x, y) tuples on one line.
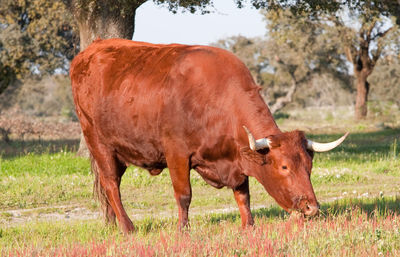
[(210, 177), (220, 174), (149, 158)]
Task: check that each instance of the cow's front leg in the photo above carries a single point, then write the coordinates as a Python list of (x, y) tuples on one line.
[(179, 171), (242, 197)]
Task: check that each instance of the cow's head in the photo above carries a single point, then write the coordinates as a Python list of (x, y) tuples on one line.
[(284, 163)]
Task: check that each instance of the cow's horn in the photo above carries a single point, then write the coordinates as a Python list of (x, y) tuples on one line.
[(324, 147), (257, 144)]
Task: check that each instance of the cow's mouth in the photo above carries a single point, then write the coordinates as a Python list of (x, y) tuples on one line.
[(298, 213)]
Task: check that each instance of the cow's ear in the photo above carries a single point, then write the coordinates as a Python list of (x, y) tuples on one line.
[(274, 141), (253, 156), (311, 153)]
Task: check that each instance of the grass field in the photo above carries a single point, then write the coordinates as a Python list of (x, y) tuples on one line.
[(47, 207)]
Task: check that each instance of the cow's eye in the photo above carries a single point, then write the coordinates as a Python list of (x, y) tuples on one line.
[(284, 167)]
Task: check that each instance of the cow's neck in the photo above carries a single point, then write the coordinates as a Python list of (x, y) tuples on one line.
[(260, 121), (263, 128)]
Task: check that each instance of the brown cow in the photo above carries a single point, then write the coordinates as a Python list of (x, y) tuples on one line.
[(185, 107)]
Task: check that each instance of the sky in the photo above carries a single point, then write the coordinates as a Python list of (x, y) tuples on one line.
[(155, 24)]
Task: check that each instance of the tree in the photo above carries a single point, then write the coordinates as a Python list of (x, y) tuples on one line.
[(363, 44), (36, 38)]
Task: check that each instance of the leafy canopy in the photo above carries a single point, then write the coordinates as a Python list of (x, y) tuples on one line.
[(36, 38), (125, 7)]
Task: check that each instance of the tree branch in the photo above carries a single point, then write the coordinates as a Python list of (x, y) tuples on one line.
[(382, 34), (375, 56), (351, 54), (369, 31), (282, 101)]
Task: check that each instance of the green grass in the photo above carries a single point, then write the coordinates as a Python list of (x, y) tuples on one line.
[(38, 180), (35, 180), (356, 184)]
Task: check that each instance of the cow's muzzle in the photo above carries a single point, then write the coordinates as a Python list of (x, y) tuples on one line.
[(305, 206)]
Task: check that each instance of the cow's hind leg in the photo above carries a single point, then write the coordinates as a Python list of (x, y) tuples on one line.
[(100, 195), (178, 164), (108, 172), (242, 197)]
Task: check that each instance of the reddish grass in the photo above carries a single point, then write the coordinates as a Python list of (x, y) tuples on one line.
[(354, 233)]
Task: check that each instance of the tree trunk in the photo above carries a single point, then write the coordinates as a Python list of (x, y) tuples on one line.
[(105, 26), (361, 108), (102, 22), (363, 67)]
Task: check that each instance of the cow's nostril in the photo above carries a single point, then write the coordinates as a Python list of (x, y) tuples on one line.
[(311, 210)]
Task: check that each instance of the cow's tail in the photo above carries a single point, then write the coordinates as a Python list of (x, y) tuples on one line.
[(100, 194)]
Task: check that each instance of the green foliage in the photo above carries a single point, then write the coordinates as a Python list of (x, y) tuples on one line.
[(191, 5), (36, 38), (296, 6), (366, 8), (301, 45), (364, 28), (126, 7)]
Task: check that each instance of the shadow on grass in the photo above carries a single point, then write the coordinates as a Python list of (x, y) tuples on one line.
[(357, 145), (17, 148), (273, 212), (371, 206), (149, 225)]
